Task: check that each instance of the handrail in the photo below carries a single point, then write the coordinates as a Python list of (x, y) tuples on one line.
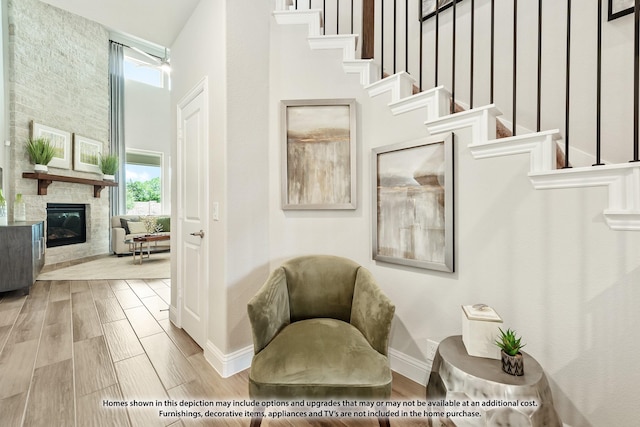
[(428, 60)]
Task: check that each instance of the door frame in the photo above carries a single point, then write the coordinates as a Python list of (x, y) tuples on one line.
[(202, 87)]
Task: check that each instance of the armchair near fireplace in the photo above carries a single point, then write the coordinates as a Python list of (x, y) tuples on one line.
[(320, 330)]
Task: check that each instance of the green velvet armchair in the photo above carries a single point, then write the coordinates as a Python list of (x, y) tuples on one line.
[(320, 331)]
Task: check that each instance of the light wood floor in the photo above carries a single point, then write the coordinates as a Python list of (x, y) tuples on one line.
[(70, 347)]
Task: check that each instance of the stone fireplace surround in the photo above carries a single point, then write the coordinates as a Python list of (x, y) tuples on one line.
[(97, 217), (58, 75)]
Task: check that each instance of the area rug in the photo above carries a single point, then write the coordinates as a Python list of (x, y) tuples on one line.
[(158, 266)]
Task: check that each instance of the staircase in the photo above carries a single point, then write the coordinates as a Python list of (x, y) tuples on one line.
[(622, 180)]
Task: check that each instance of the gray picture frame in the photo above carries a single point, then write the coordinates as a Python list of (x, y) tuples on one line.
[(413, 203), (318, 154)]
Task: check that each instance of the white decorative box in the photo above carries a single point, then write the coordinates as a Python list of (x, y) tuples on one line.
[(480, 329)]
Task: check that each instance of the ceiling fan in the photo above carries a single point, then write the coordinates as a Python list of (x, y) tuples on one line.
[(163, 63)]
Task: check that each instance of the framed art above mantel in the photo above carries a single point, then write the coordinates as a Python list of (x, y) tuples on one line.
[(319, 154), (412, 203), (61, 141), (86, 154)]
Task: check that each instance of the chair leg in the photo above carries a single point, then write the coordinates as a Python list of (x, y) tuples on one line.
[(384, 422), (256, 419)]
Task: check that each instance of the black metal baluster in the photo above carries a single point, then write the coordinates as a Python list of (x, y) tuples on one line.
[(351, 16), (599, 89), (406, 36), (568, 86), (382, 39), (324, 16), (436, 52), (636, 76), (471, 60), (493, 32), (420, 53), (395, 33), (515, 65), (453, 61), (337, 16), (309, 4), (539, 95)]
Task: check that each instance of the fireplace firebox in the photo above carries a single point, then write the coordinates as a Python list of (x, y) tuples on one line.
[(66, 224)]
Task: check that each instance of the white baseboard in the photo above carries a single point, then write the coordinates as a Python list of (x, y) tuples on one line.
[(228, 364), (412, 368)]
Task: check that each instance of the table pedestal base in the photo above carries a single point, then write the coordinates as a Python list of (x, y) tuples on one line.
[(478, 393)]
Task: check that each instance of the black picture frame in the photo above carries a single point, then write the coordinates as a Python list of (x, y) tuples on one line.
[(428, 9), (619, 8)]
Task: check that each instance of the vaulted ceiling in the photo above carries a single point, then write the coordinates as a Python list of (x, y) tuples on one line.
[(156, 21)]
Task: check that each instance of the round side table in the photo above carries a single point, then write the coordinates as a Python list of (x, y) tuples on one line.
[(496, 398)]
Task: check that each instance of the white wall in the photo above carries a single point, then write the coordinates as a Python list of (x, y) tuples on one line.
[(199, 52), (545, 260), (217, 43), (248, 167), (148, 126)]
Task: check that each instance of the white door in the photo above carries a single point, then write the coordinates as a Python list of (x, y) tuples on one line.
[(192, 179)]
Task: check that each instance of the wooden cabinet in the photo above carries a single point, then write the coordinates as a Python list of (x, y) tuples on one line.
[(21, 254)]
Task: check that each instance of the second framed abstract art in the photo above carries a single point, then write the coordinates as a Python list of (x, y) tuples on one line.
[(412, 203)]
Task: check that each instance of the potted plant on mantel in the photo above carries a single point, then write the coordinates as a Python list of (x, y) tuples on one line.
[(41, 152), (109, 166), (512, 360)]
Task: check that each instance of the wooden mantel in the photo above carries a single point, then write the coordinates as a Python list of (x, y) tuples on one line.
[(44, 179)]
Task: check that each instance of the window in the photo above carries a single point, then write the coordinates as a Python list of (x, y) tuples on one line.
[(143, 171), (143, 72)]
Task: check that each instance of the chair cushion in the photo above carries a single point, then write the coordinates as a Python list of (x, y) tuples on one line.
[(319, 358)]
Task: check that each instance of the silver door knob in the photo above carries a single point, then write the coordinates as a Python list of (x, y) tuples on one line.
[(198, 233)]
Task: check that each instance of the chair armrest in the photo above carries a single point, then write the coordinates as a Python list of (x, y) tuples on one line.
[(118, 235), (371, 311), (269, 310)]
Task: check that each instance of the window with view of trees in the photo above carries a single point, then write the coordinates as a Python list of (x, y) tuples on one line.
[(144, 182)]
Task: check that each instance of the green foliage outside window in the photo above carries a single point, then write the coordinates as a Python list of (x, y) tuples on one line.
[(143, 191)]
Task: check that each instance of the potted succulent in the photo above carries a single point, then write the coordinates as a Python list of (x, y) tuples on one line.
[(510, 345), (109, 166), (41, 152)]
